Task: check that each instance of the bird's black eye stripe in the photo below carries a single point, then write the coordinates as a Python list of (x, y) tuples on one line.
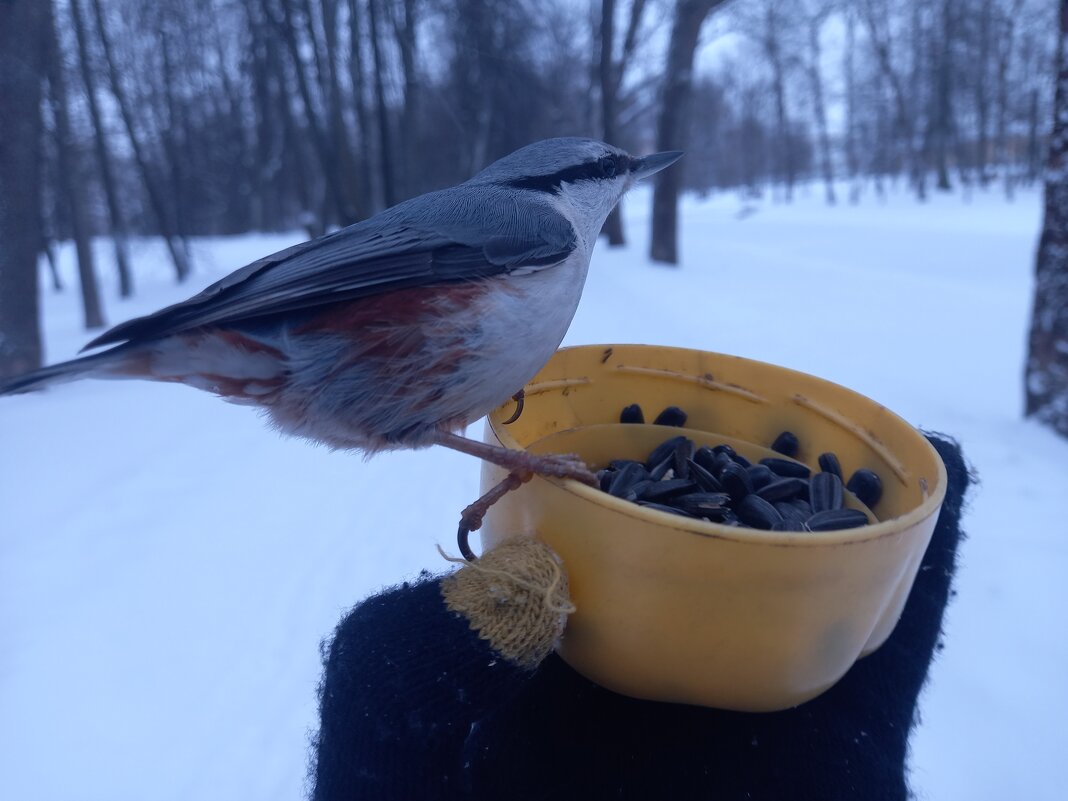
[(606, 167)]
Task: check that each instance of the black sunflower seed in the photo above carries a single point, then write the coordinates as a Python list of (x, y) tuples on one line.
[(604, 478), (760, 475), (681, 457), (825, 492), (786, 444), (829, 464), (866, 485), (638, 489), (787, 468), (705, 480), (783, 489), (791, 514), (703, 504), (671, 416), (735, 481), (632, 414), (705, 457), (626, 478), (659, 491), (836, 519), (758, 513), (662, 451), (739, 459), (658, 472)]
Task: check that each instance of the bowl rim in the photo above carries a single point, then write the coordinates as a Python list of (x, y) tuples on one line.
[(701, 528)]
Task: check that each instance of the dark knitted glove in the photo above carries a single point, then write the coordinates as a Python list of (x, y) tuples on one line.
[(416, 705), (410, 671)]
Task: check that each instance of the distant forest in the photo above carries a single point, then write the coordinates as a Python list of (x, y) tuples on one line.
[(192, 117), (223, 116)]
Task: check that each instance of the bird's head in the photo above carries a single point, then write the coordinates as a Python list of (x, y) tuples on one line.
[(592, 175)]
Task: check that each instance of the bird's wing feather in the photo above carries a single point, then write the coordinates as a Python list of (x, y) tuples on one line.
[(414, 244)]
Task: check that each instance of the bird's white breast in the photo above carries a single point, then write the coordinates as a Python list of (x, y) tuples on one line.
[(522, 326)]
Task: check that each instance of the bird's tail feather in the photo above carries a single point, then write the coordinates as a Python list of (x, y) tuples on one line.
[(59, 373)]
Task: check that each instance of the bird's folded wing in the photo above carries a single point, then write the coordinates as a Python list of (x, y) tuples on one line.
[(396, 251)]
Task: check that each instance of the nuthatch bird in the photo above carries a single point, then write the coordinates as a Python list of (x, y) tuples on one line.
[(398, 331)]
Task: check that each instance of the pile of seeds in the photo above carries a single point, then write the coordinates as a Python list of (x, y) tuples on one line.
[(722, 486)]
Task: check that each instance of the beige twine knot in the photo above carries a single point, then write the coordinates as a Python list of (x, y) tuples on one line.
[(515, 596)]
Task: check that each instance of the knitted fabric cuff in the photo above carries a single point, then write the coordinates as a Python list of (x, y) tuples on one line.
[(515, 597)]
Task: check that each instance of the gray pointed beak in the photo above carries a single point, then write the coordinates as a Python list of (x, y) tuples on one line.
[(650, 165)]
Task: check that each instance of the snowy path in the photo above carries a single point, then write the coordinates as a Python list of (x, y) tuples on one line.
[(168, 565)]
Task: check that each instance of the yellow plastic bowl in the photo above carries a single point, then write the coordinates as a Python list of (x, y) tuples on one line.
[(678, 610)]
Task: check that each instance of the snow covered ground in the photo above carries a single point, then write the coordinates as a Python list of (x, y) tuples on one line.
[(168, 565)]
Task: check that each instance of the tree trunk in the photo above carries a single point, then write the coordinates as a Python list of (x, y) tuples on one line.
[(905, 123), (119, 234), (1046, 378), (155, 194), (784, 151), (73, 187), (613, 226), (942, 119), (345, 212), (363, 121), (815, 79), (672, 123), (24, 33), (1006, 44), (385, 145), (852, 162)]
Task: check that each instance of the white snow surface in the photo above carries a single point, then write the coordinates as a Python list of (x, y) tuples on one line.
[(169, 565)]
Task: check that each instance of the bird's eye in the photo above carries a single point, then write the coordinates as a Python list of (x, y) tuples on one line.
[(608, 167)]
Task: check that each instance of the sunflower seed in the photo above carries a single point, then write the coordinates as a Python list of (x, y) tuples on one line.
[(783, 489), (626, 478), (829, 464), (760, 475), (786, 444), (663, 451), (835, 519), (735, 481), (787, 468), (825, 492), (866, 485), (671, 416), (758, 513), (704, 479), (632, 414), (658, 491)]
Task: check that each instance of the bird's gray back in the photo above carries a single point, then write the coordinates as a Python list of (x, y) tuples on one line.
[(466, 232)]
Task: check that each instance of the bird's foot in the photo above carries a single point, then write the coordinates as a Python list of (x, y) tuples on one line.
[(553, 465), (471, 517)]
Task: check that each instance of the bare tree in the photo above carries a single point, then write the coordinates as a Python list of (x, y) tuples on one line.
[(815, 17), (610, 74), (1046, 378), (25, 29), (72, 184), (385, 138), (103, 154), (672, 122), (177, 249)]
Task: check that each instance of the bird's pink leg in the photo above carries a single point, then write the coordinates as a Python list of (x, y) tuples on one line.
[(471, 517), (522, 466), (554, 465)]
